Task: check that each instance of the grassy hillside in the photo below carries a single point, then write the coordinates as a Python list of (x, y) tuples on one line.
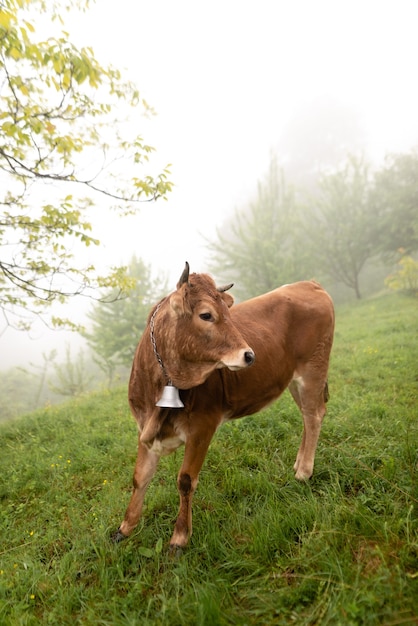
[(342, 549)]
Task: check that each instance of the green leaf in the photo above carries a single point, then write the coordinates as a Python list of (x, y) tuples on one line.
[(147, 552), (159, 546), (6, 19)]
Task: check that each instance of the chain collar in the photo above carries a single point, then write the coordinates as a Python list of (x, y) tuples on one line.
[(154, 343)]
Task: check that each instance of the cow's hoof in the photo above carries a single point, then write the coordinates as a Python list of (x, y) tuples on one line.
[(175, 551), (118, 536), (303, 478)]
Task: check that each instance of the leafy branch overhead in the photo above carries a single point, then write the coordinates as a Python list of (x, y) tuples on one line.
[(65, 146)]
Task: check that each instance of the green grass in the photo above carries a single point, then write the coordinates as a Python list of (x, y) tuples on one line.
[(342, 549)]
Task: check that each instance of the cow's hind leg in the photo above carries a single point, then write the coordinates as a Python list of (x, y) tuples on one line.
[(145, 467), (310, 394)]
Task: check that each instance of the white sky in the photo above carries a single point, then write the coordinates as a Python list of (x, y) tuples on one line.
[(224, 77)]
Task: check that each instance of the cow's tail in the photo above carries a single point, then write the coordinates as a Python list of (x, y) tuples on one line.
[(326, 392)]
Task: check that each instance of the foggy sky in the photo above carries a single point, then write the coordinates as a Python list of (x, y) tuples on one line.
[(226, 78)]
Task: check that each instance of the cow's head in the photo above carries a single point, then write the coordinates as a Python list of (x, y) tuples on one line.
[(195, 332)]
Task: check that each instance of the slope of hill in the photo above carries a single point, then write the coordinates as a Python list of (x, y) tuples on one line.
[(342, 549)]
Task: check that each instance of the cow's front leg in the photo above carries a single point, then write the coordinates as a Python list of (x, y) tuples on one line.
[(146, 464), (197, 445)]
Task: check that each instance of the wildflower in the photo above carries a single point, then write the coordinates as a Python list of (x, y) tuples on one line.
[(32, 597), (105, 482), (31, 533)]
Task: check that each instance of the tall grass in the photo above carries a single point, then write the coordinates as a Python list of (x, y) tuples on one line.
[(342, 549)]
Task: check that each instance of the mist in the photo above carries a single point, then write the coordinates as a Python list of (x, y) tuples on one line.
[(233, 82)]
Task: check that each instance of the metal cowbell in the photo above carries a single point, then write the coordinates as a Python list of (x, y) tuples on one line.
[(170, 398)]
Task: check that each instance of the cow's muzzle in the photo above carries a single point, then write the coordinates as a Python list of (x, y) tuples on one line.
[(238, 360)]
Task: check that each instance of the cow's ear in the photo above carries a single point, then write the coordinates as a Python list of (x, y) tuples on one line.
[(179, 303), (228, 299)]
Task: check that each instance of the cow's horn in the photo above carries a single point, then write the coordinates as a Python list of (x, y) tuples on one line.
[(225, 287), (185, 276)]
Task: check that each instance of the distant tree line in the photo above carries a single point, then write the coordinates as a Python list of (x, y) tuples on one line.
[(25, 389), (351, 217)]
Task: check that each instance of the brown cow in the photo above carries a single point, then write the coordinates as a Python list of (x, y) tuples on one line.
[(195, 342)]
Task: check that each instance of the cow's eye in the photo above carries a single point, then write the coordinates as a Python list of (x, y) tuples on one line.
[(206, 317)]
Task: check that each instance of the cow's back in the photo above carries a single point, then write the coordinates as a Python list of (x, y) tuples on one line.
[(302, 301), (286, 328)]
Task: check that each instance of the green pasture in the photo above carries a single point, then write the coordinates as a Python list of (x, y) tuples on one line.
[(341, 549)]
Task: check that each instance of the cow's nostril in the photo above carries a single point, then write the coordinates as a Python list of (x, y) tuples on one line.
[(249, 357)]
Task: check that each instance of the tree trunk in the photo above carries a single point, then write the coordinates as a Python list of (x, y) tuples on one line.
[(357, 288)]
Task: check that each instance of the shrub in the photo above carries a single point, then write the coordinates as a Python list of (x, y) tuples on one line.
[(406, 277)]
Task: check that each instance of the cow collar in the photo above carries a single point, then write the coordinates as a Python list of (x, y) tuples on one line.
[(170, 398), (154, 344)]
